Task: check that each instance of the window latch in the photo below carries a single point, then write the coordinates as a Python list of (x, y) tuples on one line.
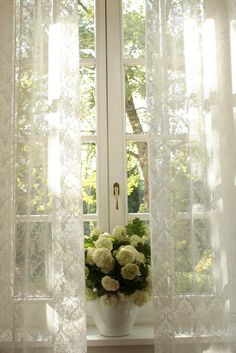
[(116, 192)]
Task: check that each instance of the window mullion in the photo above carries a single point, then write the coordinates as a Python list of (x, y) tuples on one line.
[(115, 89), (101, 98)]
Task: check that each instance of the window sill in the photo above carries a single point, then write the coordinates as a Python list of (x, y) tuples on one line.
[(141, 335)]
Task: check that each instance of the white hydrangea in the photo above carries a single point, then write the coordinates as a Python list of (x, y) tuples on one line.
[(139, 257), (95, 232), (89, 256), (120, 233), (104, 242), (90, 294), (146, 238), (110, 284), (109, 266), (130, 248), (104, 235), (115, 252), (125, 256), (140, 297), (130, 271), (109, 299), (135, 239), (102, 257)]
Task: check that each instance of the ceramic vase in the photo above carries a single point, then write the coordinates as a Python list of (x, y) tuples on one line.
[(114, 320)]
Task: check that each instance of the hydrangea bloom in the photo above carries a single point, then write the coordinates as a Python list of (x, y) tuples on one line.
[(104, 235), (125, 256), (95, 232), (120, 233), (130, 271), (89, 256), (139, 257), (130, 248), (135, 239), (102, 257), (110, 284), (109, 299), (108, 267), (104, 242), (139, 297)]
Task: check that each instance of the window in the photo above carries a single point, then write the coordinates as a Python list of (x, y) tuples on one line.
[(114, 143), (114, 128)]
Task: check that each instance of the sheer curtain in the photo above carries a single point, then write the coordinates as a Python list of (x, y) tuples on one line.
[(41, 236), (191, 84)]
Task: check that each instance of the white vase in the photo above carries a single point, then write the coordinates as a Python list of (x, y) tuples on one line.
[(114, 320)]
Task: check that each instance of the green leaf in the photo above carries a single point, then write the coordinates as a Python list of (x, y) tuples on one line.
[(136, 226), (88, 242)]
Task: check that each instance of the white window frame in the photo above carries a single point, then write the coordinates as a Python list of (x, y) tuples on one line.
[(111, 135)]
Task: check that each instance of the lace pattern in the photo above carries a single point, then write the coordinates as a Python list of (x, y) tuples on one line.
[(41, 261), (191, 117)]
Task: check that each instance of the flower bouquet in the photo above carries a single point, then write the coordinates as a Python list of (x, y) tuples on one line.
[(117, 264)]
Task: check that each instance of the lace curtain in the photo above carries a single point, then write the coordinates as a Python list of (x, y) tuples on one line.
[(191, 83), (41, 236)]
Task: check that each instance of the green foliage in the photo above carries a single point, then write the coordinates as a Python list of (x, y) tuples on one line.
[(136, 226), (145, 250), (88, 242)]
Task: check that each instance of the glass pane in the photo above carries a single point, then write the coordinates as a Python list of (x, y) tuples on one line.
[(134, 28), (86, 28), (89, 226), (87, 100), (31, 82), (192, 238), (33, 249), (31, 179), (178, 117), (137, 177), (135, 100), (189, 177), (89, 177)]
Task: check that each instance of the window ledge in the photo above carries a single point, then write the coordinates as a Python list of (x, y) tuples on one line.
[(140, 336), (143, 335)]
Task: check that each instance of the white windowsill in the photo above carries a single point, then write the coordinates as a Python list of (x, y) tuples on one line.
[(140, 335), (143, 335)]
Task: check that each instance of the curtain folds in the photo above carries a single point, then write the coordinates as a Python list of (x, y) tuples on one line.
[(191, 105), (41, 246)]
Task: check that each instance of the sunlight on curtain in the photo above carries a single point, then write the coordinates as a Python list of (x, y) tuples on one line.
[(192, 105), (41, 241)]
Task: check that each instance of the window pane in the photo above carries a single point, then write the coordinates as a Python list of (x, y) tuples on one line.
[(191, 242), (137, 177), (135, 100), (86, 28), (89, 226), (87, 100), (134, 28), (33, 258), (89, 177), (32, 196), (189, 177)]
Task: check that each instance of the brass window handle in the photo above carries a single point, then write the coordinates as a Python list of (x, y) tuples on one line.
[(116, 192)]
